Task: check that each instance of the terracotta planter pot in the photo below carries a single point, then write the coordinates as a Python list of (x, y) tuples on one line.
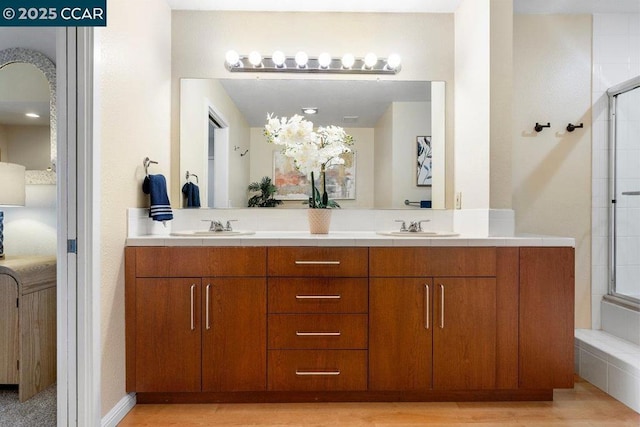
[(319, 221)]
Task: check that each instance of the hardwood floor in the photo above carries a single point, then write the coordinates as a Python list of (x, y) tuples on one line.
[(584, 405)]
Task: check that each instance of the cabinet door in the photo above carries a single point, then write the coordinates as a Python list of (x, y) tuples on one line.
[(546, 317), (400, 333), (168, 335), (234, 356), (464, 334)]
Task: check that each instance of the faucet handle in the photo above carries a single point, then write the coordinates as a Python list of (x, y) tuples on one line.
[(403, 227), (211, 222), (228, 226), (420, 223)]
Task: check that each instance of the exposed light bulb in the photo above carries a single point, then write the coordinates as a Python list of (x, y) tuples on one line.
[(301, 59), (278, 58), (255, 58), (393, 61), (370, 60), (324, 60), (232, 58), (348, 60)]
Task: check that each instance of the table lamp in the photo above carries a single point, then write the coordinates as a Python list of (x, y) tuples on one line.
[(12, 192)]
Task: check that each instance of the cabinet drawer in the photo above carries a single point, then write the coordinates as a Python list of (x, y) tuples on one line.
[(200, 261), (318, 331), (310, 370), (318, 262), (318, 295), (421, 262)]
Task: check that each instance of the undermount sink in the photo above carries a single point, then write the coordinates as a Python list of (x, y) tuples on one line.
[(207, 233), (423, 233)]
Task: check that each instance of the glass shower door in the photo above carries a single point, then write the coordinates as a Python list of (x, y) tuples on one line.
[(625, 130)]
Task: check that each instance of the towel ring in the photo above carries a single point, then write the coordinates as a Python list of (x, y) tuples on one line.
[(189, 175), (146, 162)]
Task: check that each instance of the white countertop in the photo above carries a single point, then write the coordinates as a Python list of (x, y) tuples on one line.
[(345, 238)]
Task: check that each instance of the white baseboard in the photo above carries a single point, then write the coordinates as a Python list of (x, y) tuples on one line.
[(118, 412)]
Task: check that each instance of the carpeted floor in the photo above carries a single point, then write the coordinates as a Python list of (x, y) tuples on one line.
[(39, 411)]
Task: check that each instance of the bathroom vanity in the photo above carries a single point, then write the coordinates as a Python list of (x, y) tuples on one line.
[(372, 319)]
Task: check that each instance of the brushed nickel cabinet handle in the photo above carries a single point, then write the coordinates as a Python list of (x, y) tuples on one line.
[(317, 373), (318, 297), (193, 288), (426, 306), (441, 306), (318, 334), (317, 262), (207, 307)]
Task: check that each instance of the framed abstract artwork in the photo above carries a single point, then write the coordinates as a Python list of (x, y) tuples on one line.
[(293, 185), (423, 173)]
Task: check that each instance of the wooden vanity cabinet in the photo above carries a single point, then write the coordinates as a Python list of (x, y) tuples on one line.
[(234, 334), (318, 323), (546, 321), (248, 324), (168, 334), (433, 321), (196, 319)]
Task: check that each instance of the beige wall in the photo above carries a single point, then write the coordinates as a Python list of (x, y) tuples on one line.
[(29, 146), (197, 97), (472, 113), (408, 122), (383, 178), (132, 90), (552, 169), (201, 39), (501, 103), (483, 99)]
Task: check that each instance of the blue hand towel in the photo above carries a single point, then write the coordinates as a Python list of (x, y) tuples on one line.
[(160, 207), (192, 194)]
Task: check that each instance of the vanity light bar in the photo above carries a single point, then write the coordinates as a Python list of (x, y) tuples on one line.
[(278, 63)]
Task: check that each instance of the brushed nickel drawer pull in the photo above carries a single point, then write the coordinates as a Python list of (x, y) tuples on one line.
[(317, 296), (208, 326), (317, 262), (441, 306), (426, 306), (318, 334), (317, 373), (193, 287)]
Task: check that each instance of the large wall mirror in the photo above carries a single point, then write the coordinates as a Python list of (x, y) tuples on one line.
[(395, 124), (28, 113)]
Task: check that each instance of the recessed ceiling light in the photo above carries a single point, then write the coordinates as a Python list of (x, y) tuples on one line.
[(310, 110), (32, 115)]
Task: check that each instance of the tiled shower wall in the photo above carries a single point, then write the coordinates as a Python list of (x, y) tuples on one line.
[(616, 58)]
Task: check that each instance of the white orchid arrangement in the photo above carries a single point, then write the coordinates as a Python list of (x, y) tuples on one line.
[(310, 150)]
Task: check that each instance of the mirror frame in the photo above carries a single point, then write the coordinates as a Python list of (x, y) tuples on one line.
[(48, 68)]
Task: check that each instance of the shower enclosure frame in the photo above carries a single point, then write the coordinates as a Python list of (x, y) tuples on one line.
[(613, 296)]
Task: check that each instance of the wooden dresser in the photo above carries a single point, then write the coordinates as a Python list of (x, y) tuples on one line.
[(28, 323)]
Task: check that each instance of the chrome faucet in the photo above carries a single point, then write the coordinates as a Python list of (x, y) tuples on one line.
[(415, 226), (217, 225)]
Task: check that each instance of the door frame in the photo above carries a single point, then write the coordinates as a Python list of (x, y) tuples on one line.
[(78, 269)]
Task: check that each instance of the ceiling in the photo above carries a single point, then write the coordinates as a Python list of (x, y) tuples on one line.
[(366, 99), (425, 6)]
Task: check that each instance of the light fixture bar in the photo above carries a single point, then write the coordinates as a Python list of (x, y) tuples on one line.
[(312, 66)]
